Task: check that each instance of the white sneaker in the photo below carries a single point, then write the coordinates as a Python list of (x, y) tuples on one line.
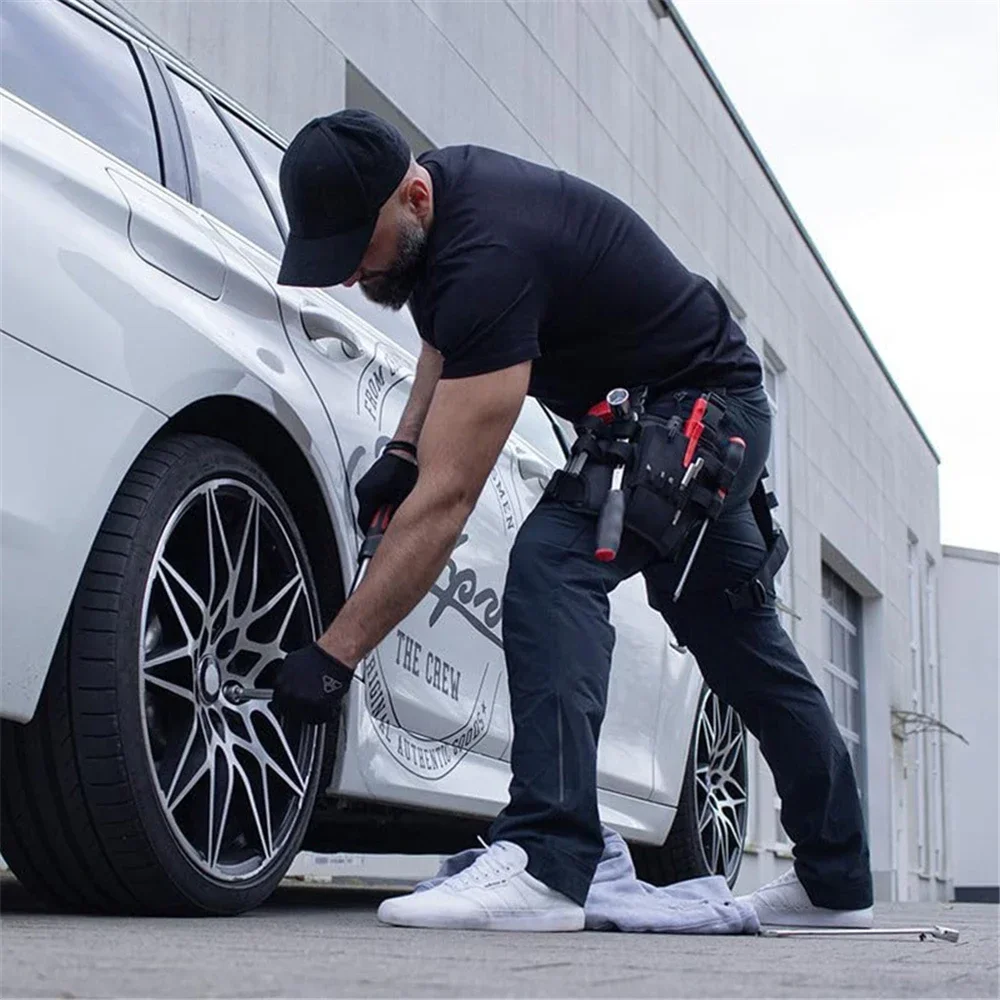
[(494, 893), (784, 903)]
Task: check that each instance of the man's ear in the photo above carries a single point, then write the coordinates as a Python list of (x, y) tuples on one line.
[(417, 197)]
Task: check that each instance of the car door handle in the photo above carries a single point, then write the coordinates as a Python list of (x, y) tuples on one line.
[(532, 468), (320, 325)]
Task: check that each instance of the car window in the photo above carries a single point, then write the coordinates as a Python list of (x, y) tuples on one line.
[(266, 157), (535, 428), (228, 188), (82, 75)]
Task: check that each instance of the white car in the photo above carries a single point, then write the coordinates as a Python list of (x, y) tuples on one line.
[(180, 442)]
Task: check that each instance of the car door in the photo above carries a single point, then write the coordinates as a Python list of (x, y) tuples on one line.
[(434, 686), (625, 758)]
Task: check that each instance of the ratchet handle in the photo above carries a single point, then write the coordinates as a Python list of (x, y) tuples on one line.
[(380, 522), (609, 526)]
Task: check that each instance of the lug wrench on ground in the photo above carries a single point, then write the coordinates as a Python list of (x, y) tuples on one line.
[(939, 933), (378, 527)]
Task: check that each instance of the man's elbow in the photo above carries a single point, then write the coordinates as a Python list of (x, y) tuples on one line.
[(453, 500)]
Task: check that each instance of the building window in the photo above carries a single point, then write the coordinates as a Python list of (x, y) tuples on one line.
[(842, 668)]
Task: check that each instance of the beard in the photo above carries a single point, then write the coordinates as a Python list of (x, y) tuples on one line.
[(392, 288)]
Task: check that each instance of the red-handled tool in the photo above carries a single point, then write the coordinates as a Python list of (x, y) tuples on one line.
[(730, 466), (693, 428), (380, 522)]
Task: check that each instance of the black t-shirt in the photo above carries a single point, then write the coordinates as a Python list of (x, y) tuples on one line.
[(529, 263)]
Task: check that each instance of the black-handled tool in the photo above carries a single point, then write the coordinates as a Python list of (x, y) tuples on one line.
[(612, 517)]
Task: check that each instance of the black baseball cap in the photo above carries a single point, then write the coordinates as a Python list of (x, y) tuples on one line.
[(335, 176)]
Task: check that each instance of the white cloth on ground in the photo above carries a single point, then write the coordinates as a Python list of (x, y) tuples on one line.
[(619, 901)]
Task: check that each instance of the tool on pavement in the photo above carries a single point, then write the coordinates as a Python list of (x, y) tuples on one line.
[(939, 933), (372, 538)]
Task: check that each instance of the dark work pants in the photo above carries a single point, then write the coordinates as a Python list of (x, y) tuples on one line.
[(558, 643)]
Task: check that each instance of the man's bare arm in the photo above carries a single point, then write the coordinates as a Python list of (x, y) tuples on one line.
[(466, 426), (425, 380)]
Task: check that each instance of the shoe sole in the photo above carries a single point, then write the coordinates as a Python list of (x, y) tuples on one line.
[(536, 922)]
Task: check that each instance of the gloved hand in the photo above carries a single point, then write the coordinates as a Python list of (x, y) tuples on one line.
[(310, 685), (388, 481)]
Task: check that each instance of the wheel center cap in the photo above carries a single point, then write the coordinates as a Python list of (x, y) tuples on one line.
[(209, 678)]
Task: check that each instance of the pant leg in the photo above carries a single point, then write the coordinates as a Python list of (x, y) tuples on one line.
[(748, 660), (558, 642)]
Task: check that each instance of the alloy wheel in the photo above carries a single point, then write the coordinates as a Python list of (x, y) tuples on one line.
[(225, 599), (720, 784)]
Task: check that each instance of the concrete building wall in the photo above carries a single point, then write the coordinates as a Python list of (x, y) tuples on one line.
[(611, 91), (970, 655)]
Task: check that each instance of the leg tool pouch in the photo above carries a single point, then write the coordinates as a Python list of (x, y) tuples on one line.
[(680, 475)]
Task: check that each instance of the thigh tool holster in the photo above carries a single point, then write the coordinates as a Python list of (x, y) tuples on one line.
[(677, 473)]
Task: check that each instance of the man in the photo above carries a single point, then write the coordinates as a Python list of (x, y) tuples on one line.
[(526, 280)]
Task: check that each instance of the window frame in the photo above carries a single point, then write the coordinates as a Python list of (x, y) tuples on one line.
[(196, 197)]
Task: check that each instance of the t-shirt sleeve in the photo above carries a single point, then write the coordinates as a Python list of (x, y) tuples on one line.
[(487, 311)]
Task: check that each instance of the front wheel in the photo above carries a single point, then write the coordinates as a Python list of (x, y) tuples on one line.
[(709, 829), (145, 783)]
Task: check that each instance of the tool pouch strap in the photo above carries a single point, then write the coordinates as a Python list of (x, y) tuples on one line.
[(758, 592)]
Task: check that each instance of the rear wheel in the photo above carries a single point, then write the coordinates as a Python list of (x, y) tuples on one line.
[(709, 829), (145, 783)]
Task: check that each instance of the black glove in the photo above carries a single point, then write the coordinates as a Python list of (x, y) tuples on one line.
[(388, 481), (310, 685)]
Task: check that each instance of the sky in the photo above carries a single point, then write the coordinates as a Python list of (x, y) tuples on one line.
[(881, 121)]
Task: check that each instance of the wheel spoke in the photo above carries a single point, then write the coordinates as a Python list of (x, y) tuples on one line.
[(264, 835), (218, 812), (705, 814), (180, 653), (716, 843), (237, 571), (185, 586), (217, 518), (702, 780), (209, 521), (183, 760), (172, 804), (269, 652), (289, 770), (294, 584), (181, 620), (169, 686)]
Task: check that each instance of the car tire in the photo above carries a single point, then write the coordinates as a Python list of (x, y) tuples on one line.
[(138, 701), (709, 828)]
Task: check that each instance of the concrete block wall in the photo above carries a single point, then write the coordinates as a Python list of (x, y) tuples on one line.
[(609, 90)]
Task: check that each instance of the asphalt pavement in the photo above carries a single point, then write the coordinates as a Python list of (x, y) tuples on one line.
[(324, 941)]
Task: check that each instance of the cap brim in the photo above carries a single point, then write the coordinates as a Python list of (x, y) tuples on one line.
[(328, 260)]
